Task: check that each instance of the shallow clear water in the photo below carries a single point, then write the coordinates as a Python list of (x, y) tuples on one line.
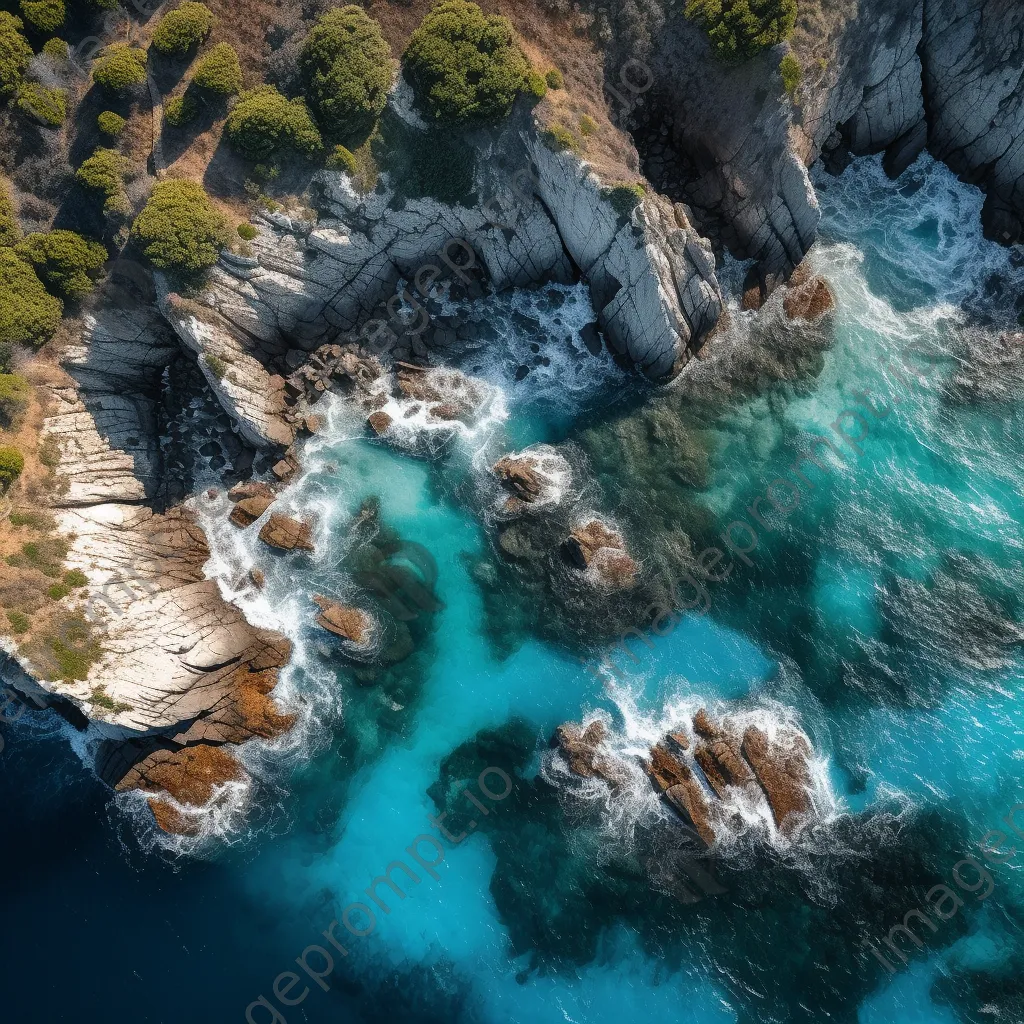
[(883, 612)]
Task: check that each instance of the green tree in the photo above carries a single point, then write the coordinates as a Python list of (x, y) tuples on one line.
[(28, 313), (263, 122), (740, 29), (180, 229), (120, 68), (347, 70), (12, 462), (15, 54), (45, 106), (219, 71), (104, 171), (45, 15), (465, 65), (15, 392), (182, 29), (56, 48), (64, 260), (181, 110)]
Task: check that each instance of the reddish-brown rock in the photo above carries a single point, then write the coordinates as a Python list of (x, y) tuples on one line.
[(287, 534), (675, 781), (519, 476), (248, 510), (252, 489), (380, 422), (784, 774), (581, 750), (352, 624), (808, 300), (259, 580), (594, 544)]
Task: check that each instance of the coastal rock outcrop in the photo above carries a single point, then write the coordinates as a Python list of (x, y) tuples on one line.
[(351, 624), (706, 770), (534, 477), (595, 547), (287, 534)]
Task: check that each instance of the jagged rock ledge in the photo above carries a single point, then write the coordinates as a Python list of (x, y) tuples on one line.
[(702, 769)]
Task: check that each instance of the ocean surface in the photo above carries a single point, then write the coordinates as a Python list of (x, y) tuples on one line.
[(884, 615)]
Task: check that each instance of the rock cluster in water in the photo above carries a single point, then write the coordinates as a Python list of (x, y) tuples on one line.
[(700, 772)]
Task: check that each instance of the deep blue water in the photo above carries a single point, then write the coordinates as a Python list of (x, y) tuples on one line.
[(885, 616)]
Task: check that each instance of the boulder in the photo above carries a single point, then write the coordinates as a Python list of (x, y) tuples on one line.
[(248, 510), (784, 774), (380, 422), (252, 489), (258, 578), (581, 750), (352, 624), (809, 300), (675, 781), (287, 534), (521, 477), (595, 546)]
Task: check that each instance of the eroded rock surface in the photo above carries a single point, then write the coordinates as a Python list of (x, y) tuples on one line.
[(595, 547), (351, 624), (287, 534)]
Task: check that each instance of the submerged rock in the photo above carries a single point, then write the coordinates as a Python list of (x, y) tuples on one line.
[(521, 477), (287, 534)]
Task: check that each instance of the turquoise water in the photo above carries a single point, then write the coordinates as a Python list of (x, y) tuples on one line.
[(883, 613)]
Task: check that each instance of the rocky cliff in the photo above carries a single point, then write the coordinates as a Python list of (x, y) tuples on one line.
[(878, 77)]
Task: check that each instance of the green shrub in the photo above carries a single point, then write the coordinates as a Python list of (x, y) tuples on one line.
[(10, 231), (555, 79), (46, 106), (342, 159), (535, 87), (791, 73), (180, 229), (44, 15), (19, 622), (71, 656), (263, 121), (15, 54), (12, 462), (111, 123), (217, 365), (247, 231), (75, 578), (624, 197), (740, 29), (219, 71), (104, 171), (15, 392), (182, 29), (465, 65), (28, 313), (58, 591), (181, 110), (588, 126), (120, 68), (56, 48), (347, 70), (559, 138), (65, 261)]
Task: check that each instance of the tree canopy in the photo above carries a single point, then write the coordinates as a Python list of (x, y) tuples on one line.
[(465, 65), (740, 29), (183, 28), (347, 70), (179, 228), (28, 313), (263, 122), (64, 260)]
